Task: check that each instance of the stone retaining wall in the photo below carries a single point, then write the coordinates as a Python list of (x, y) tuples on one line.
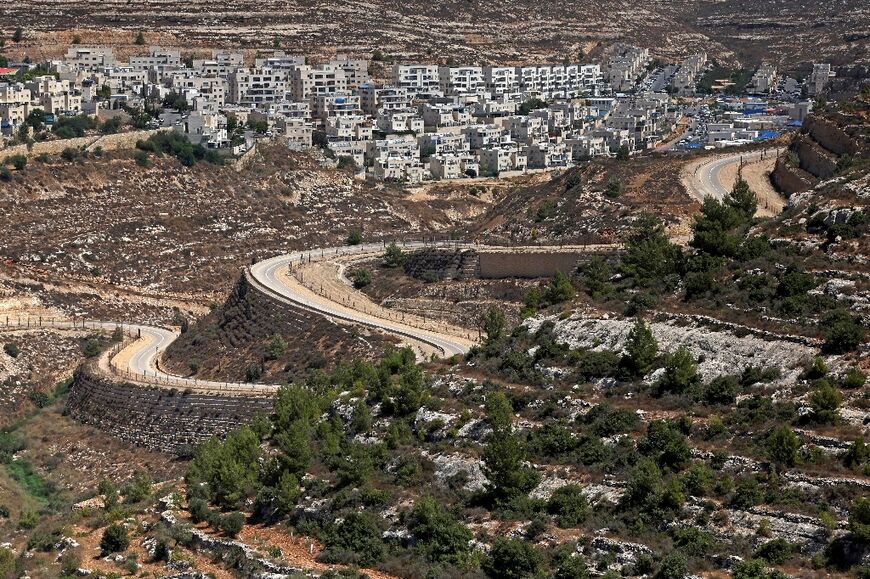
[(830, 136), (469, 264), (814, 159), (790, 180), (106, 142), (162, 419)]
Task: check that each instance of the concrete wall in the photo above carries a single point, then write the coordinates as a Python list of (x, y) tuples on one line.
[(830, 136), (790, 180), (814, 159), (498, 265), (107, 142), (469, 264), (161, 419)]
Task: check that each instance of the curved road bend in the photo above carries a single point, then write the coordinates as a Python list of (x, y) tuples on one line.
[(707, 177), (138, 360)]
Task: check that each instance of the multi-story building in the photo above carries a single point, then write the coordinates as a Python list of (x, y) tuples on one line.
[(280, 61), (157, 59), (90, 58), (547, 155), (624, 65), (399, 121), (506, 157), (460, 80), (256, 86), (819, 78), (14, 104), (356, 70), (331, 105), (374, 98), (501, 80), (417, 78), (55, 96), (220, 64), (763, 81), (308, 82)]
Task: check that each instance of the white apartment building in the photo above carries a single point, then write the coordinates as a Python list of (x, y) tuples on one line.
[(90, 58), (417, 78), (524, 129), (159, 59), (350, 128), (220, 64), (210, 88), (819, 78), (459, 80), (501, 80), (443, 143), (55, 96), (256, 86), (356, 70), (327, 106), (624, 64), (482, 136), (374, 98), (584, 146), (547, 155), (399, 121), (280, 61), (14, 104), (308, 82), (504, 158), (763, 81)]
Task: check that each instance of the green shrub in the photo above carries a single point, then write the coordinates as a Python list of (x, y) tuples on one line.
[(721, 390), (18, 161), (825, 402), (641, 350), (681, 373), (354, 237), (512, 559), (673, 566), (11, 349), (775, 552), (361, 277), (115, 539), (569, 505), (440, 537), (854, 378), (782, 446), (231, 524), (356, 540)]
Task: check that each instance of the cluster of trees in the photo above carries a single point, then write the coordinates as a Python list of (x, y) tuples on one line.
[(171, 143), (559, 290)]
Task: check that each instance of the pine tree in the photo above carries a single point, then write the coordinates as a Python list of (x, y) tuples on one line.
[(641, 350)]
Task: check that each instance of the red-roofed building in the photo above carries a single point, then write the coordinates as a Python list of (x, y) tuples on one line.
[(7, 71)]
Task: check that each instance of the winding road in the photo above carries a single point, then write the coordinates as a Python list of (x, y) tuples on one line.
[(137, 357), (704, 178)]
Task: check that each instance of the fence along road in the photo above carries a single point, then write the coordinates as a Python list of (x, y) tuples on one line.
[(137, 357)]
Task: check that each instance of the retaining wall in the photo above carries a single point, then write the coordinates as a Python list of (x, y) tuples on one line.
[(498, 265), (830, 136), (106, 142), (162, 419), (814, 159), (790, 180), (469, 264)]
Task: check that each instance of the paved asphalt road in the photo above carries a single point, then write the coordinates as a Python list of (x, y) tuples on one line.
[(709, 178)]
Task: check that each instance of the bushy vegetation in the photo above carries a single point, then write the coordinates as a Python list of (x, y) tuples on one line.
[(176, 145)]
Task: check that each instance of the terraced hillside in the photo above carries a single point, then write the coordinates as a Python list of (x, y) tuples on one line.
[(517, 31)]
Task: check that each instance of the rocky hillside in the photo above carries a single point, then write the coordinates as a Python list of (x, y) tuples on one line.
[(791, 33), (254, 338)]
